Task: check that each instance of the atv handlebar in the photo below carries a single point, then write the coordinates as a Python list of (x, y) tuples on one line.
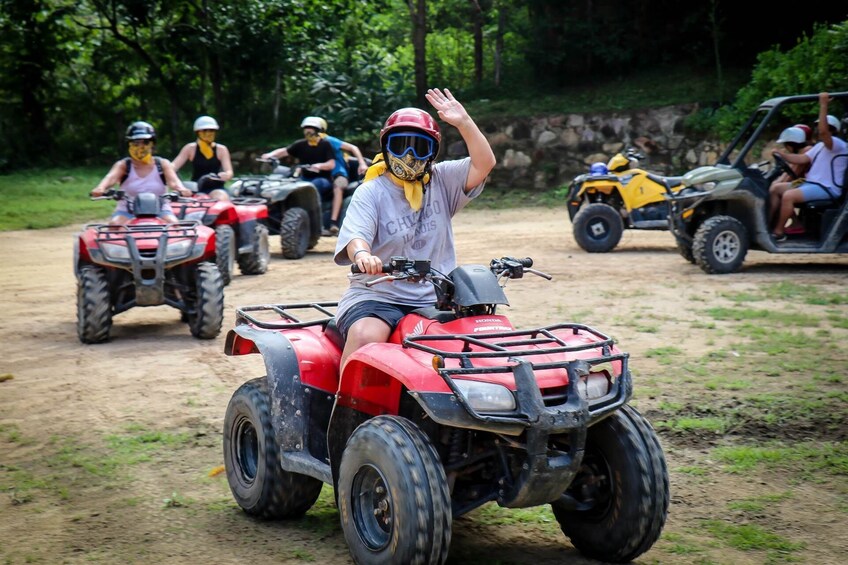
[(403, 268), (112, 194)]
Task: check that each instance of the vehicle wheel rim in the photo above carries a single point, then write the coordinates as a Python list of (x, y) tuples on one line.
[(246, 450), (726, 246), (592, 488), (372, 508), (598, 229)]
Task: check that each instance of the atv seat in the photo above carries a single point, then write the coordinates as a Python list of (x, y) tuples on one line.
[(431, 313), (333, 333), (826, 203), (668, 182)]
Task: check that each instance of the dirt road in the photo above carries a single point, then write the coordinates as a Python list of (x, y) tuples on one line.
[(106, 451)]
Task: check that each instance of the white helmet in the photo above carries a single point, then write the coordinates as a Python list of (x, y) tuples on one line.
[(205, 122), (792, 135), (312, 122), (832, 121)]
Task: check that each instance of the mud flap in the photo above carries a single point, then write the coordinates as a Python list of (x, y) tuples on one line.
[(289, 406)]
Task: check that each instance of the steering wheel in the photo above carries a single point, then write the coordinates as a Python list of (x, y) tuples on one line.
[(781, 164)]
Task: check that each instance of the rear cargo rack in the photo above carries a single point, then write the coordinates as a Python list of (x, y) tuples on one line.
[(290, 319), (112, 232)]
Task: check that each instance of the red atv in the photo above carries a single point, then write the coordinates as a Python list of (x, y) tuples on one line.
[(241, 231), (146, 262), (458, 409)]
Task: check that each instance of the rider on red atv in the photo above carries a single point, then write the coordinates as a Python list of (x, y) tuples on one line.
[(405, 207), (210, 161), (139, 173)]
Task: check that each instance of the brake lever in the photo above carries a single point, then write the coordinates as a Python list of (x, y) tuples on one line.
[(538, 273), (384, 279)]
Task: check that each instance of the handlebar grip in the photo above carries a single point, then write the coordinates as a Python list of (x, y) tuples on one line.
[(526, 262), (357, 271)]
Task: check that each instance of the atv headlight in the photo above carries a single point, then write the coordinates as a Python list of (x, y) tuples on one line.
[(592, 386), (178, 249), (115, 252), (706, 186), (486, 397)]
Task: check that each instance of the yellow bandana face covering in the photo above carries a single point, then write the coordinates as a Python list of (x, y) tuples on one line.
[(311, 137), (207, 135), (413, 190), (141, 152), (205, 147), (407, 167)]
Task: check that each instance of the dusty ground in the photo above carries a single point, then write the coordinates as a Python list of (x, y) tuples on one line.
[(80, 486)]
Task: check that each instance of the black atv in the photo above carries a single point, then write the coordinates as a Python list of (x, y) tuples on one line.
[(296, 211), (294, 207), (723, 209)]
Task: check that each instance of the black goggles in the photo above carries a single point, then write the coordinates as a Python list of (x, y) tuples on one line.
[(399, 144)]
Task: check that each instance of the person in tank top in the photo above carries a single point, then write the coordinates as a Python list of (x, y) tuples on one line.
[(141, 173), (210, 161)]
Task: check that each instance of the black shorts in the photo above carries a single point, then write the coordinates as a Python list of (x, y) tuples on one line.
[(386, 311)]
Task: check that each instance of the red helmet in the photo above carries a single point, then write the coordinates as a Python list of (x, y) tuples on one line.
[(407, 119), (806, 129)]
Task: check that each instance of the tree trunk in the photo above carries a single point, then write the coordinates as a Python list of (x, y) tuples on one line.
[(499, 41), (418, 14), (477, 19)]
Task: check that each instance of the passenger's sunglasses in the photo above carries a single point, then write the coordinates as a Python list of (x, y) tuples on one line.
[(141, 142), (399, 144)]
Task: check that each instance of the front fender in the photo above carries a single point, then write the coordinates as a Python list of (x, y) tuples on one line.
[(374, 376), (288, 414)]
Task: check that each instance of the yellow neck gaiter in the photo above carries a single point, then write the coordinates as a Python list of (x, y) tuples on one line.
[(412, 190), (143, 153), (312, 139), (205, 148)]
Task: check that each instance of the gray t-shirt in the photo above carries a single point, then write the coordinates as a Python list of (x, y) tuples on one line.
[(380, 215)]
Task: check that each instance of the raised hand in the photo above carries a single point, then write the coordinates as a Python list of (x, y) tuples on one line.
[(448, 107)]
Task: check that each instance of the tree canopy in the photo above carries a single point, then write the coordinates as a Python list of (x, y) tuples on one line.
[(75, 73)]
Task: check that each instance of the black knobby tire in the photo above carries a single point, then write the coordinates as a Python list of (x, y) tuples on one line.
[(720, 245), (598, 228), (225, 252), (685, 250), (255, 262), (208, 317), (94, 306), (622, 488), (294, 233), (393, 495), (259, 484)]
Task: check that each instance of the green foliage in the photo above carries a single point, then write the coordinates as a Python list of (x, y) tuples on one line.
[(818, 63)]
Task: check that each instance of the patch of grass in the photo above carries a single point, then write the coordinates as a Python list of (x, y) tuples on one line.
[(664, 355), (694, 471), (716, 425), (747, 537), (758, 503), (769, 317), (540, 517), (46, 198), (807, 459)]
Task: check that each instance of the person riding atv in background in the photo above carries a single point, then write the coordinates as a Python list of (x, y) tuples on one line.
[(823, 180), (795, 141), (392, 214), (141, 172), (312, 151), (211, 163), (340, 173)]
